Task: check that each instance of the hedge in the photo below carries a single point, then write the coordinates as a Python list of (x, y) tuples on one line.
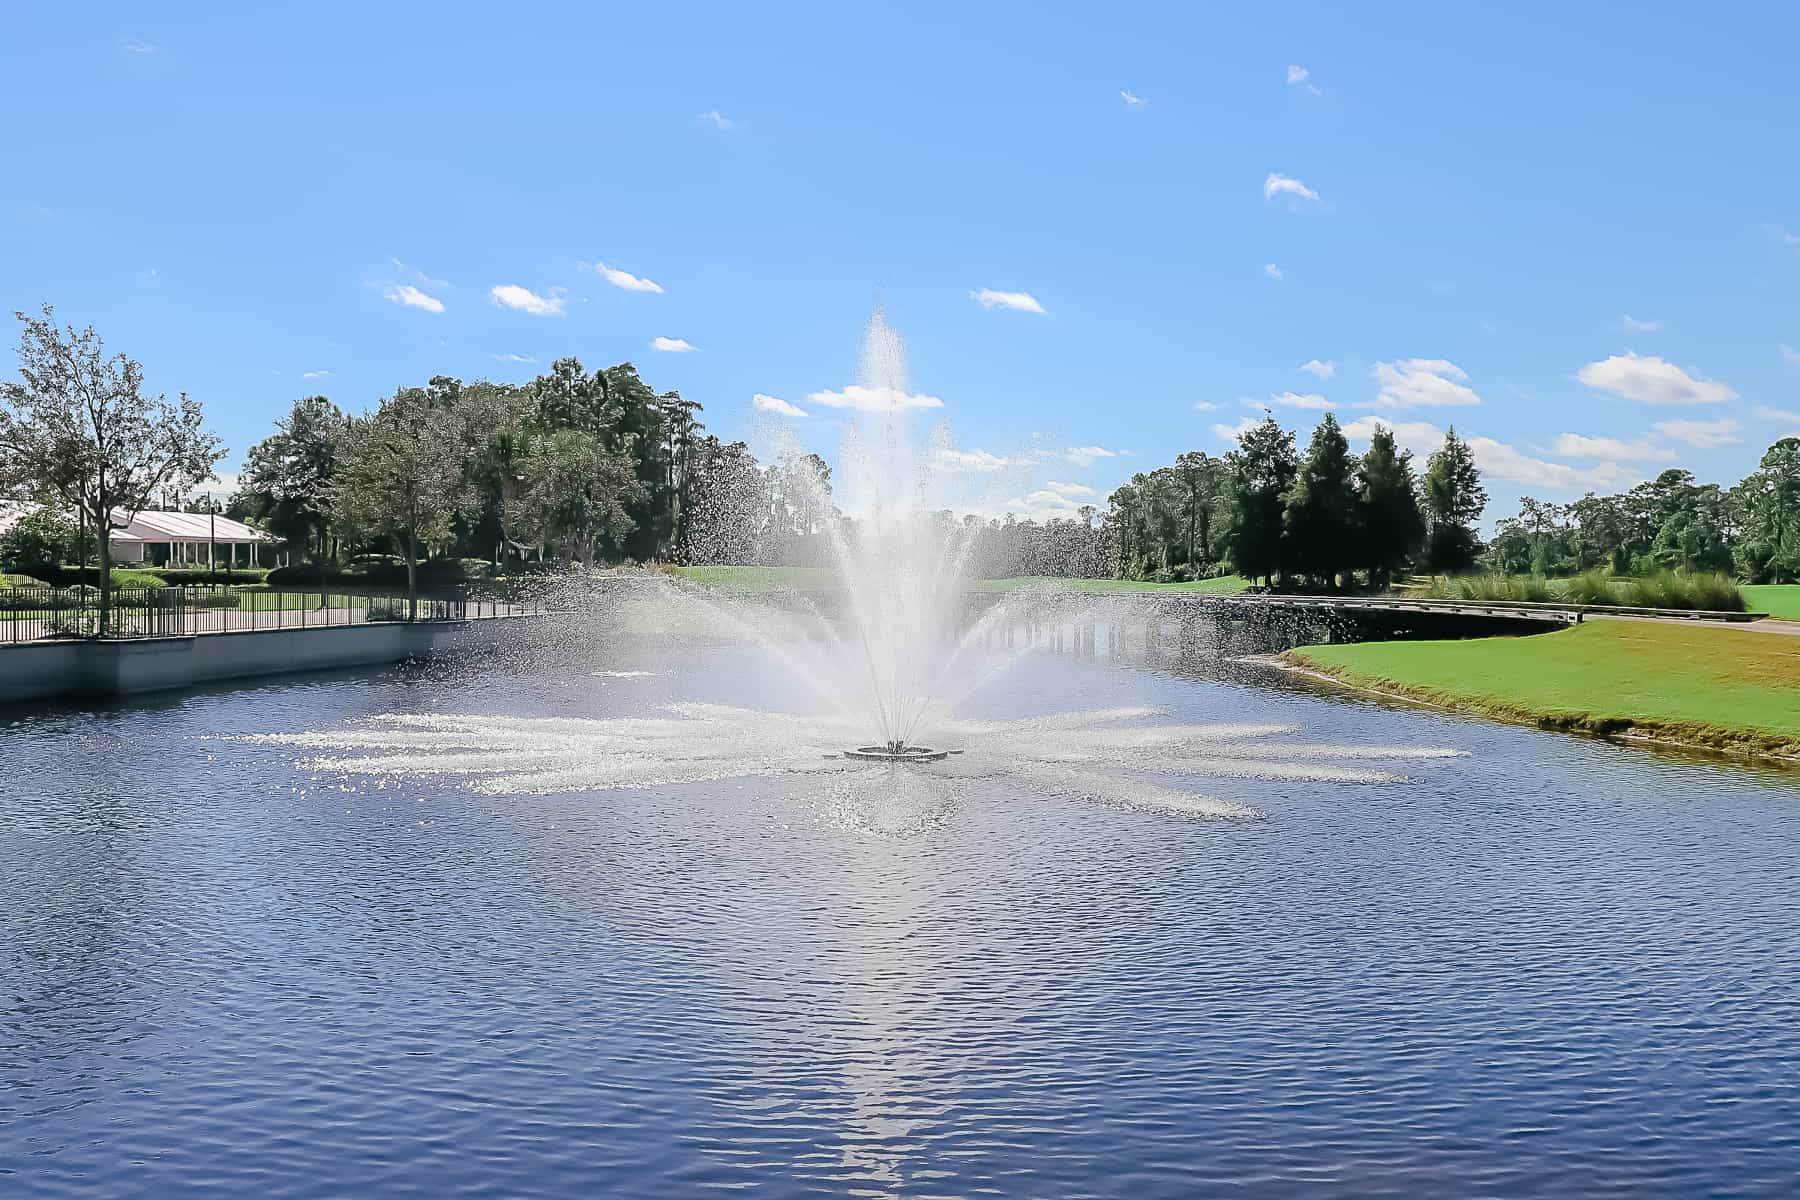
[(67, 576), (379, 571), (196, 576)]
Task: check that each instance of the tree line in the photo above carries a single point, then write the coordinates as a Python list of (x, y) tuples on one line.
[(1323, 517), (1671, 522)]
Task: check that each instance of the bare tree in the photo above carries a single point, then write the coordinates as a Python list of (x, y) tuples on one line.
[(80, 433)]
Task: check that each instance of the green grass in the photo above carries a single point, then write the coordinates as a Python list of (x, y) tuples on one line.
[(1723, 688), (759, 579), (1776, 599), (819, 579)]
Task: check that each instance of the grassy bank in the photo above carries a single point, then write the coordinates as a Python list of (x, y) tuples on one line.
[(1776, 599), (1722, 688), (818, 579)]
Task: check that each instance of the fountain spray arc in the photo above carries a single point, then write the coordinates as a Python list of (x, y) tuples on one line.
[(900, 561)]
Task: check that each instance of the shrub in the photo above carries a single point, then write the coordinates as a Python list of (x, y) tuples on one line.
[(122, 577), (1502, 588), (1700, 590), (379, 570), (1590, 587), (192, 576)]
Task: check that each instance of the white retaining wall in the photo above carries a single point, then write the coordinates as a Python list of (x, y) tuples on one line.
[(50, 670)]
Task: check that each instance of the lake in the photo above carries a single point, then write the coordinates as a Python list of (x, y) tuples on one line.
[(399, 934)]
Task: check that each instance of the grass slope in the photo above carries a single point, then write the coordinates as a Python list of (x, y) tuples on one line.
[(1776, 599), (805, 579), (1724, 688)]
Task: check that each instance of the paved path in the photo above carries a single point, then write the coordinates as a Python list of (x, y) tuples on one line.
[(1774, 625)]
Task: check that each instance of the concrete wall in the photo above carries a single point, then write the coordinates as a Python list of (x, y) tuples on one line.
[(51, 670)]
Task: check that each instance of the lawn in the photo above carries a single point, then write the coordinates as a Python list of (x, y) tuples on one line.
[(818, 579), (1727, 688), (1776, 599)]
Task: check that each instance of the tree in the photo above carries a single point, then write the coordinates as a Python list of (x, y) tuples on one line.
[(1599, 534), (38, 543), (79, 433), (286, 476), (1769, 498), (1392, 527), (1319, 509), (1453, 501), (1262, 470), (400, 473), (579, 495)]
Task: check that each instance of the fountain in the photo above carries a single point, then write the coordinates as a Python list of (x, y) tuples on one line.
[(889, 661)]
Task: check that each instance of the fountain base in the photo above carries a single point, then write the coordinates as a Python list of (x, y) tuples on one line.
[(899, 752)]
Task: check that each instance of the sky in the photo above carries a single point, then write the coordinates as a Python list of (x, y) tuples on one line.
[(1108, 234)]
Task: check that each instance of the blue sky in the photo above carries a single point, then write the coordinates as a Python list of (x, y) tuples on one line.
[(1572, 232)]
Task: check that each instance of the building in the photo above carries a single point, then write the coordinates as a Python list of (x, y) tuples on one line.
[(160, 538)]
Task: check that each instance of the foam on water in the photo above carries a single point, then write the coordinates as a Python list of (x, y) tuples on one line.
[(1116, 755)]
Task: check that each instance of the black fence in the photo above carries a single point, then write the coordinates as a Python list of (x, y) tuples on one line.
[(29, 614)]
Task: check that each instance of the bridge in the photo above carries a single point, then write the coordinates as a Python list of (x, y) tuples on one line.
[(1269, 622)]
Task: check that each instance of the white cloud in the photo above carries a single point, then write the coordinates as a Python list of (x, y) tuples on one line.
[(717, 120), (1276, 185), (1298, 76), (1272, 271), (1651, 380), (1322, 370), (1131, 99), (971, 460), (1575, 445), (1016, 301), (1423, 383), (1421, 437), (1763, 412), (1086, 456), (1789, 354), (1502, 461), (1312, 401), (1790, 240), (132, 45), (417, 276), (776, 405), (624, 279), (874, 399), (412, 297), (1042, 505), (1702, 435), (312, 375), (1231, 433), (511, 295), (1498, 460), (1070, 489), (1205, 406), (669, 345), (1631, 324), (514, 358)]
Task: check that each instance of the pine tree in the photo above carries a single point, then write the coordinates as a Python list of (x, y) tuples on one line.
[(1453, 502), (1320, 508), (1391, 526), (1262, 470)]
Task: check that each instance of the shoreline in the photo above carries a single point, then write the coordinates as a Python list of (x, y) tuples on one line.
[(1709, 739)]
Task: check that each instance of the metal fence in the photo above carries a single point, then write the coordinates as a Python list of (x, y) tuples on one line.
[(29, 614)]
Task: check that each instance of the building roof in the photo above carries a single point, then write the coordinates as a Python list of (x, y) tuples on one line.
[(153, 525)]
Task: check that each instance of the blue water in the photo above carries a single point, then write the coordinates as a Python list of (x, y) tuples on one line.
[(1553, 966)]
